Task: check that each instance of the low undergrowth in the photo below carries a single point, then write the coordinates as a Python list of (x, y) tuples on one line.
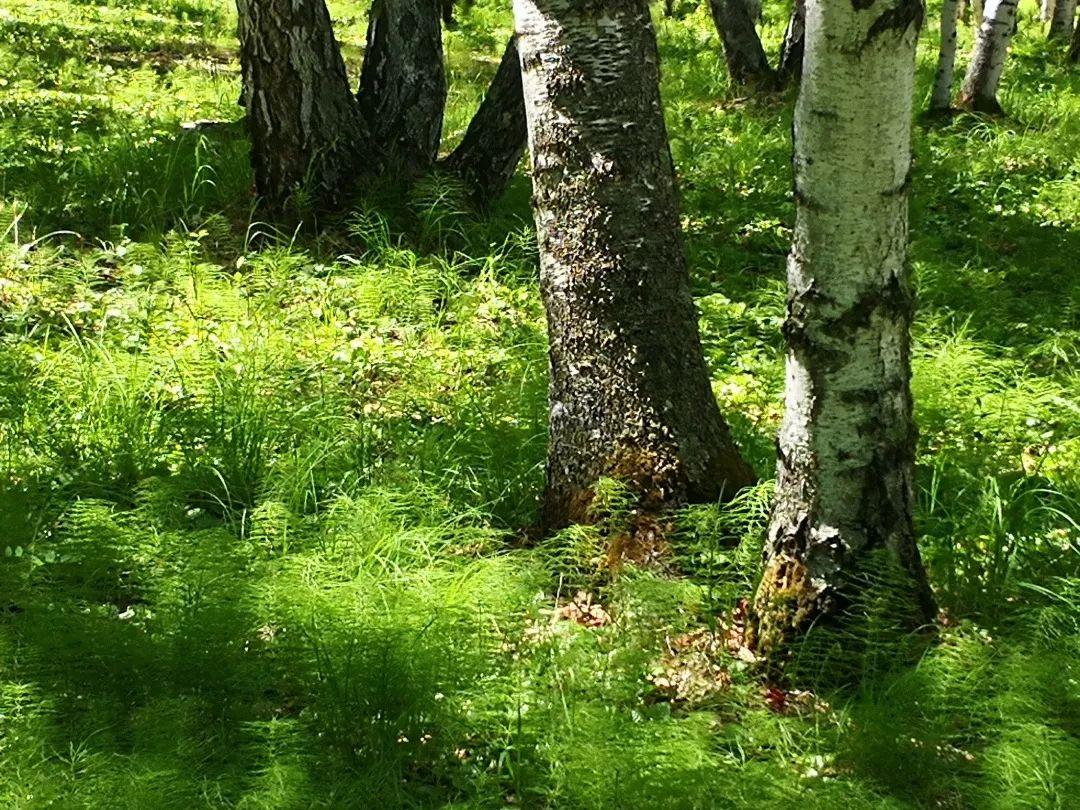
[(266, 496)]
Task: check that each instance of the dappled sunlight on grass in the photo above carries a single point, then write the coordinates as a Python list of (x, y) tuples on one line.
[(268, 497)]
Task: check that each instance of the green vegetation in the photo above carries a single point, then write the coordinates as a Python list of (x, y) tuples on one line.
[(266, 496)]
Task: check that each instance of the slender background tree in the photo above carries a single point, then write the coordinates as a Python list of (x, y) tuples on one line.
[(980, 88)]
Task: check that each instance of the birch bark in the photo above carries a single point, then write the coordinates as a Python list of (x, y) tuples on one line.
[(1061, 23), (403, 82), (496, 138), (1046, 10), (791, 51), (629, 395), (846, 445), (941, 97), (743, 52), (980, 87), (304, 124)]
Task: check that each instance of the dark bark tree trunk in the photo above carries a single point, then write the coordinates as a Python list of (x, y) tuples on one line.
[(306, 130), (745, 57), (1061, 23), (630, 396), (496, 138), (403, 82), (846, 445), (791, 52), (1074, 48), (941, 97), (979, 92)]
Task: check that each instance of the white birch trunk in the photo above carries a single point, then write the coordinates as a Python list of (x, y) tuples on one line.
[(1061, 23), (1046, 11), (941, 98), (846, 444), (988, 57), (630, 396)]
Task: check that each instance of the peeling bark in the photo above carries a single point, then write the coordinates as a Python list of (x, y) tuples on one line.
[(630, 396), (305, 128), (979, 92), (1061, 23), (745, 57), (941, 97), (496, 138), (847, 442), (791, 51), (403, 82)]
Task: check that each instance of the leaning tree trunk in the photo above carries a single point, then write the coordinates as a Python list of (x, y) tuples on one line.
[(791, 51), (846, 446), (1061, 24), (745, 57), (403, 82), (941, 97), (306, 131), (979, 92), (630, 396), (496, 138)]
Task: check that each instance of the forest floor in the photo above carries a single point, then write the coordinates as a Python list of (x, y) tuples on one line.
[(265, 495)]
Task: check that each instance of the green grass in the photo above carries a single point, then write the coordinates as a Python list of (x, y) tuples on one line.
[(265, 495)]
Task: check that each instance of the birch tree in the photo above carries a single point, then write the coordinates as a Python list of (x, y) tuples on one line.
[(1046, 10), (980, 87), (403, 83), (629, 395), (305, 128), (791, 51), (496, 138), (1061, 23), (743, 52), (847, 440), (941, 97)]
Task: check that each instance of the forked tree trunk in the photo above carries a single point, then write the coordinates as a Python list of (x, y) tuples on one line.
[(496, 138), (941, 97), (1061, 24), (745, 57), (403, 82), (791, 51), (629, 395), (305, 128), (846, 445), (988, 58), (1046, 10)]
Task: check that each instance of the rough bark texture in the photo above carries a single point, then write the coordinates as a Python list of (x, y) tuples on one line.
[(941, 97), (745, 57), (846, 445), (304, 124), (791, 51), (988, 58), (403, 82), (1061, 24), (630, 396), (496, 138)]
